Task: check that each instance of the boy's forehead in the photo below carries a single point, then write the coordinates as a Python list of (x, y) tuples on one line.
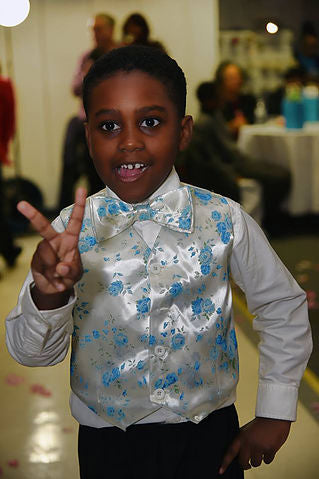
[(135, 84), (134, 78)]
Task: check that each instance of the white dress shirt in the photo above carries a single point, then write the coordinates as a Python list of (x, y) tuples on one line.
[(41, 338)]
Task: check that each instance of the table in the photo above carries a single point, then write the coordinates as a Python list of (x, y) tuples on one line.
[(298, 150)]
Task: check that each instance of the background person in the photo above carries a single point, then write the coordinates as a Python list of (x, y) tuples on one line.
[(214, 161), (237, 107), (76, 157), (293, 76), (307, 51), (8, 249), (136, 31)]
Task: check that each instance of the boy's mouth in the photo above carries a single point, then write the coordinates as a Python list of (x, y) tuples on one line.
[(131, 171)]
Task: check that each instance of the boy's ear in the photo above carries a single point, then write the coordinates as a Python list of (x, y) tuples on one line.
[(186, 132), (87, 136)]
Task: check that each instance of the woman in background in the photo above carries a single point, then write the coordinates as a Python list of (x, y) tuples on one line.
[(136, 31)]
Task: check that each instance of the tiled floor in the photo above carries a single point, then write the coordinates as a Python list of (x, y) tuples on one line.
[(37, 429), (38, 435)]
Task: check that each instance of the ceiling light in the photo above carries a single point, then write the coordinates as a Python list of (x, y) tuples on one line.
[(13, 12), (271, 28)]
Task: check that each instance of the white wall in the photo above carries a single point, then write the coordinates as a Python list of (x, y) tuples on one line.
[(45, 49)]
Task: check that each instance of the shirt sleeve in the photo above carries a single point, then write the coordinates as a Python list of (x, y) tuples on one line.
[(34, 337), (281, 317)]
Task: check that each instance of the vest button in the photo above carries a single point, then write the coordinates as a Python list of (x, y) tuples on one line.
[(155, 268), (160, 351), (159, 205), (159, 394), (197, 418)]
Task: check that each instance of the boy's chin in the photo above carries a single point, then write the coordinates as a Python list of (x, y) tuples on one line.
[(135, 191), (134, 197)]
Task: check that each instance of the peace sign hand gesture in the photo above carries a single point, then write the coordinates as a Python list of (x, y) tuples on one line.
[(56, 264)]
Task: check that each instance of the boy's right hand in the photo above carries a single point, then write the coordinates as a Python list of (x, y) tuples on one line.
[(56, 264), (257, 441)]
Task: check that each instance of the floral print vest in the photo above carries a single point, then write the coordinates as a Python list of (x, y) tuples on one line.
[(153, 327)]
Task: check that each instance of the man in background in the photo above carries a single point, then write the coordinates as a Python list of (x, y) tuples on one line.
[(76, 158)]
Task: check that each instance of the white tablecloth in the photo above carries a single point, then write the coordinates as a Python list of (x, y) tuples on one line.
[(298, 150)]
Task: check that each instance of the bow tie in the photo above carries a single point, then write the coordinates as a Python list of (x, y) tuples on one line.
[(111, 215)]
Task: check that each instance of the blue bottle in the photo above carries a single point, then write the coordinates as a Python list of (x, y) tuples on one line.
[(293, 112), (311, 108)]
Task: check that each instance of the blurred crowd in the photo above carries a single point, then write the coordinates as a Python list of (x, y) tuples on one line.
[(76, 158), (213, 159)]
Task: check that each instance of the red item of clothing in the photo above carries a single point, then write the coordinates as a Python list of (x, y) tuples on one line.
[(7, 118)]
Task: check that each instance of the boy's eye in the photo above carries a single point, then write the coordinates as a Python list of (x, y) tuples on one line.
[(150, 122), (109, 126)]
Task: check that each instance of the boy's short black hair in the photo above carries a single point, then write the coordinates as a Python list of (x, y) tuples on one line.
[(147, 59)]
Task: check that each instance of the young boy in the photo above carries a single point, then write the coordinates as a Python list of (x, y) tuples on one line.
[(140, 273)]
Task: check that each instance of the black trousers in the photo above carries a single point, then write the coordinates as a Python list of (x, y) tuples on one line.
[(173, 451), (275, 181)]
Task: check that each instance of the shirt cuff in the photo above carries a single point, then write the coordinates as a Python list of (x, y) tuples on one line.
[(53, 318), (277, 401)]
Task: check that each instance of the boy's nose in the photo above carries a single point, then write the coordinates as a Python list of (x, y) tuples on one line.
[(131, 141)]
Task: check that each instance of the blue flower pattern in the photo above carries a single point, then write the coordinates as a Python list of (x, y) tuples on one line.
[(176, 289), (115, 288), (223, 227), (143, 305)]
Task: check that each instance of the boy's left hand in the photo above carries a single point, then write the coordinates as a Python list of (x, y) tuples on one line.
[(257, 441)]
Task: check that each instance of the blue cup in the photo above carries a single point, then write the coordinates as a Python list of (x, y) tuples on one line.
[(311, 109), (293, 113)]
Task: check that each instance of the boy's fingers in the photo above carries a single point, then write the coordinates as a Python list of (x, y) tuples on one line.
[(244, 458), (68, 272), (44, 256), (62, 269), (38, 221), (230, 455), (75, 223), (269, 457), (256, 460), (59, 285), (62, 283)]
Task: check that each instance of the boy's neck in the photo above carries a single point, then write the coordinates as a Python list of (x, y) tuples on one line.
[(172, 182)]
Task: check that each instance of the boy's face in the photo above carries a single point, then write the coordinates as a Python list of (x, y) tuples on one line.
[(134, 134)]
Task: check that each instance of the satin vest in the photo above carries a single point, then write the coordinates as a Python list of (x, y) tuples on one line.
[(153, 327)]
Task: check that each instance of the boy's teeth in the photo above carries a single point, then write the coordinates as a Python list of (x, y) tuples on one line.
[(130, 166)]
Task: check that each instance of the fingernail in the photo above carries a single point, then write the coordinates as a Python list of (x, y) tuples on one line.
[(64, 269), (82, 191), (21, 205)]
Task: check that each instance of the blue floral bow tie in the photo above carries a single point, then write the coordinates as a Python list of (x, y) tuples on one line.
[(111, 215)]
